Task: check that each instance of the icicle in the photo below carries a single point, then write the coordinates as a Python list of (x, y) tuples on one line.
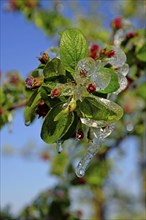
[(82, 165), (59, 146), (99, 136)]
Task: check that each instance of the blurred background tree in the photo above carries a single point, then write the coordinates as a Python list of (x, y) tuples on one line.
[(99, 194)]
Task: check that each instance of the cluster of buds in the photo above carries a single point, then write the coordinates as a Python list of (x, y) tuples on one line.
[(33, 82), (44, 58), (94, 50), (105, 53), (117, 23)]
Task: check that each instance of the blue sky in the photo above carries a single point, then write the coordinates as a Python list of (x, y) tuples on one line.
[(21, 43)]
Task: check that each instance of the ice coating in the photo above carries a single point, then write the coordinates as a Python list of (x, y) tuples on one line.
[(103, 132), (92, 123), (118, 59), (99, 136), (88, 65), (119, 37), (101, 79), (123, 69), (122, 82)]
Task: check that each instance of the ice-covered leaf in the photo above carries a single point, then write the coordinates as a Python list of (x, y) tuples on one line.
[(97, 112), (122, 82), (123, 69), (106, 74), (101, 78)]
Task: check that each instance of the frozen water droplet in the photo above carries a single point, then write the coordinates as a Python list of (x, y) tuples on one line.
[(59, 147), (79, 170), (122, 82), (101, 79), (118, 59), (27, 123), (88, 65), (123, 69)]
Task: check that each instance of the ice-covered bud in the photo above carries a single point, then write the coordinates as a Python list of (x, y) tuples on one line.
[(83, 73), (55, 93), (86, 66), (103, 52), (91, 88), (94, 48), (93, 51), (110, 53), (44, 58)]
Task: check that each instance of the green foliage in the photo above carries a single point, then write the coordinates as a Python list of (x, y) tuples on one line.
[(141, 53), (53, 69), (52, 130), (73, 102), (73, 48)]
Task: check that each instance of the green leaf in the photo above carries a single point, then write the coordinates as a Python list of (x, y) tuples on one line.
[(29, 115), (32, 97), (113, 84), (54, 68), (29, 111), (100, 109), (72, 128), (73, 47), (141, 54), (54, 130)]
